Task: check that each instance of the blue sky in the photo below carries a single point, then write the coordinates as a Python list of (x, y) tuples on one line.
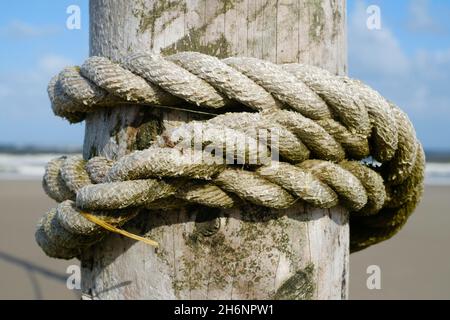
[(34, 45), (407, 60)]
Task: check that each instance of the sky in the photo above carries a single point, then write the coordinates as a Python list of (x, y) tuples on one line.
[(407, 60)]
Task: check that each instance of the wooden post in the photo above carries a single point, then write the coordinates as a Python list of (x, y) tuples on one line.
[(252, 253)]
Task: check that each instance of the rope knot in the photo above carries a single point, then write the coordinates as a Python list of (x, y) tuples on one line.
[(303, 137)]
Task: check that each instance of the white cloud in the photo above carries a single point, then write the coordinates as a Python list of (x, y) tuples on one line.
[(4, 90), (432, 62), (371, 50), (22, 91), (25, 107), (18, 29), (420, 19), (52, 63)]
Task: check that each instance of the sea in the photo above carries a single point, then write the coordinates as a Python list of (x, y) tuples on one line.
[(32, 166)]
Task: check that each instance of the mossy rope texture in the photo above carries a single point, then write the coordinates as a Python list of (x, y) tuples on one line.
[(326, 126)]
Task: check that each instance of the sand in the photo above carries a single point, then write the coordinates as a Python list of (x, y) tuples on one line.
[(414, 265), (26, 272)]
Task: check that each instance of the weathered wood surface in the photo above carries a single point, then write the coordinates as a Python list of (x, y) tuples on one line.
[(252, 253)]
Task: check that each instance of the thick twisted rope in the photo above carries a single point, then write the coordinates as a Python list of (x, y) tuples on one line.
[(325, 125)]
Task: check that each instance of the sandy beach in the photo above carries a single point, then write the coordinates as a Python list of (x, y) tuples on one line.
[(414, 265)]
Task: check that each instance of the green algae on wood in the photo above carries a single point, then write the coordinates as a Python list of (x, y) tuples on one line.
[(193, 41), (317, 20), (230, 263), (300, 286)]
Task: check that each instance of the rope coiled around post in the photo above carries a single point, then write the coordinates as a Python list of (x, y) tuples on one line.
[(326, 125)]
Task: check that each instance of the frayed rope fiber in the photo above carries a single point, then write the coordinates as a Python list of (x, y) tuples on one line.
[(326, 126)]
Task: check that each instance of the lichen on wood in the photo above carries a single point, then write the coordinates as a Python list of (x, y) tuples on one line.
[(300, 286)]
